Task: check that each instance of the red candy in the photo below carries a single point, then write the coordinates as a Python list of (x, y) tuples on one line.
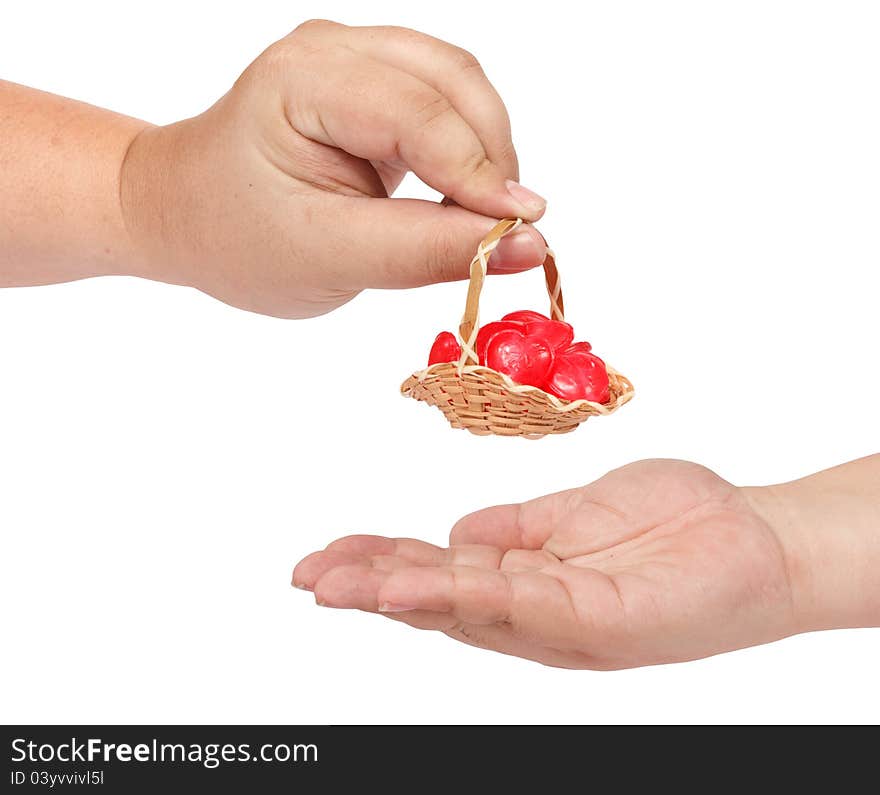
[(579, 347), (577, 376), (526, 359), (525, 316), (489, 330), (556, 332), (444, 349), (536, 351)]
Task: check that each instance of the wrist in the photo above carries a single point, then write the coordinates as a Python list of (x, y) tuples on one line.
[(107, 248), (168, 197), (143, 192), (828, 526)]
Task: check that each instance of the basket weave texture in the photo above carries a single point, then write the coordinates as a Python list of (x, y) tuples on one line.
[(485, 401)]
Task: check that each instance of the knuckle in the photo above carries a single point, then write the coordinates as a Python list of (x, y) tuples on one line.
[(462, 632), (521, 560), (300, 47), (308, 37), (466, 61), (403, 34), (442, 257), (473, 635), (267, 68), (507, 151), (273, 53), (429, 108), (511, 560), (474, 163), (313, 26), (278, 56), (509, 600)]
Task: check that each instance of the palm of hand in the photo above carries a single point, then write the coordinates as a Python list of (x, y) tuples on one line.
[(660, 561)]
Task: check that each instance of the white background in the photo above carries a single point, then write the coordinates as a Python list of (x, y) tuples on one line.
[(713, 172)]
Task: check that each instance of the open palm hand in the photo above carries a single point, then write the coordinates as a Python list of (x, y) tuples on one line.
[(656, 562)]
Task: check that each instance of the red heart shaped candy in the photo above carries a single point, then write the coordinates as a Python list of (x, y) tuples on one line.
[(444, 349), (525, 316), (526, 359), (557, 333), (577, 376), (491, 329)]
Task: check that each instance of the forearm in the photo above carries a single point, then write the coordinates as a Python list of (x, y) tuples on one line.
[(60, 161), (829, 526)]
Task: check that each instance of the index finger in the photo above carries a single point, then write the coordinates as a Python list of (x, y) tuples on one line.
[(372, 110), (452, 71)]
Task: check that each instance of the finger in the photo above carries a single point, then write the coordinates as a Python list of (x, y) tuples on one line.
[(452, 71), (353, 587), (502, 640), (386, 553), (312, 567), (418, 553), (537, 607), (491, 637), (342, 98), (525, 525), (379, 552), (425, 619), (422, 243)]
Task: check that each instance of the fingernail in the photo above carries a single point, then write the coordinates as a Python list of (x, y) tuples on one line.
[(528, 199), (301, 587), (388, 607)]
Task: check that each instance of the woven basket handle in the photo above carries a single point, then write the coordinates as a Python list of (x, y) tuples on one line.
[(470, 322)]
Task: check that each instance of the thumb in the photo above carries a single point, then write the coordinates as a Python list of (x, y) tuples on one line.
[(411, 243), (526, 525), (568, 523)]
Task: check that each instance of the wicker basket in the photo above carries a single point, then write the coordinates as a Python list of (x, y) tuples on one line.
[(485, 401)]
